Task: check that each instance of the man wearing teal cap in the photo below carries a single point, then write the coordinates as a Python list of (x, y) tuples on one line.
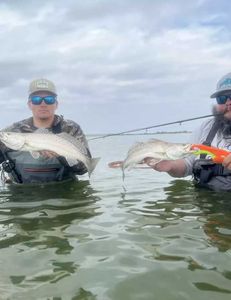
[(214, 132)]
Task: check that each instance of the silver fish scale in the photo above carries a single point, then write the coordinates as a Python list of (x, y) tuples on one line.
[(76, 142), (47, 140)]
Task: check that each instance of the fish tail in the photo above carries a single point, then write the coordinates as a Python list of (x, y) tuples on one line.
[(123, 171), (93, 164)]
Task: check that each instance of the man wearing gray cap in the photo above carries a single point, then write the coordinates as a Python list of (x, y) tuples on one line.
[(214, 132), (21, 166)]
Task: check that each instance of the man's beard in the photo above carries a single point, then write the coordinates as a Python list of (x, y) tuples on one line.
[(224, 123)]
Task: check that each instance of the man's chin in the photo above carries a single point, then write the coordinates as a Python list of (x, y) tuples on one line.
[(227, 115), (44, 118), (44, 114)]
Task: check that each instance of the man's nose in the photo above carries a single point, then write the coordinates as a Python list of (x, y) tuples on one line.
[(43, 102)]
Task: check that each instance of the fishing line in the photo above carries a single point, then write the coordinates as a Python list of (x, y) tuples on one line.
[(149, 127)]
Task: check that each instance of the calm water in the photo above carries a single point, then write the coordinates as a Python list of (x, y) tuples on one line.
[(151, 237)]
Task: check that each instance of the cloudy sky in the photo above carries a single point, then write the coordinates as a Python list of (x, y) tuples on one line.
[(117, 64)]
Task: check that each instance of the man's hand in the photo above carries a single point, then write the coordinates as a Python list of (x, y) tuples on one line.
[(175, 168), (227, 162), (162, 166)]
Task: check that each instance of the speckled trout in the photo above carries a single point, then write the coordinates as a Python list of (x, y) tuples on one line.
[(62, 144), (155, 149)]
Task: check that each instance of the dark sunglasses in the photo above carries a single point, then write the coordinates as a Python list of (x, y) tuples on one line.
[(37, 100), (223, 98)]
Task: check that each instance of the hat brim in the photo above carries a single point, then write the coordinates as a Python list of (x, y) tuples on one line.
[(219, 93), (34, 92)]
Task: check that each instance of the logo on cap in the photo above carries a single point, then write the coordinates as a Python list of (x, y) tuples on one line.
[(42, 84), (225, 83)]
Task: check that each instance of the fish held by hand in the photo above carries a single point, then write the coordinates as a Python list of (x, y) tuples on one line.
[(63, 144)]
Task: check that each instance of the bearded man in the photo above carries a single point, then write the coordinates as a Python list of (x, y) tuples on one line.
[(215, 132)]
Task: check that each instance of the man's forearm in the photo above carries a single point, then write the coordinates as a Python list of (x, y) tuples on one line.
[(177, 168)]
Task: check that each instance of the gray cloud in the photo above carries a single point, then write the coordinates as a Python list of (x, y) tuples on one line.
[(109, 58)]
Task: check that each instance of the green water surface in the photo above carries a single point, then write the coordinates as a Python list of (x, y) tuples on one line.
[(149, 237)]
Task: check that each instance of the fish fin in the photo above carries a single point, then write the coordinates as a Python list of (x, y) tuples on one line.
[(71, 162), (154, 140), (93, 164), (157, 141), (90, 166), (123, 172), (35, 154), (126, 166), (153, 161)]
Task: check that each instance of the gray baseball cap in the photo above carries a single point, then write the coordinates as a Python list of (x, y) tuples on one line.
[(223, 86), (42, 84)]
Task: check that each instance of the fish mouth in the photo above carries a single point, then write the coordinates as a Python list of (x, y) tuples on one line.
[(193, 149), (188, 148), (2, 134)]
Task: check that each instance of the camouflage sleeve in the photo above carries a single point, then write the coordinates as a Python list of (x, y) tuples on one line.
[(9, 128)]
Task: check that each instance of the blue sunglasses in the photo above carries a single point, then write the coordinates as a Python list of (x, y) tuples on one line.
[(37, 100), (223, 98)]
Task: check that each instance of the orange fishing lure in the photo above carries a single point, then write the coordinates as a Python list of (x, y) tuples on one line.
[(217, 155)]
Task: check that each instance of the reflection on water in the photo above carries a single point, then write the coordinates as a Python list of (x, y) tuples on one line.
[(41, 219), (158, 238), (65, 190), (214, 207), (182, 224)]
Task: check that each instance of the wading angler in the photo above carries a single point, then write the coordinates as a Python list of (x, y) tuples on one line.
[(215, 132), (61, 154)]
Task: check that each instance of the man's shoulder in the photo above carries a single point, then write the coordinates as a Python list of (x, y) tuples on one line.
[(22, 125), (70, 123), (200, 133), (205, 126), (70, 126), (66, 123), (208, 123)]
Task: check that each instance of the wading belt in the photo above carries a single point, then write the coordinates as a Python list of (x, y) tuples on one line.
[(205, 170)]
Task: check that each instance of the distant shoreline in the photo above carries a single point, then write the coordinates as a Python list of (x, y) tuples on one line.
[(145, 133)]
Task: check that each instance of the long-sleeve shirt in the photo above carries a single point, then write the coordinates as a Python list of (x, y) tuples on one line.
[(199, 136)]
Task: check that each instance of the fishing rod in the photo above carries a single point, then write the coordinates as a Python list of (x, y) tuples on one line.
[(154, 126)]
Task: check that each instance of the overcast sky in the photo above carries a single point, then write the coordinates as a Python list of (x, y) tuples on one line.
[(117, 64)]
